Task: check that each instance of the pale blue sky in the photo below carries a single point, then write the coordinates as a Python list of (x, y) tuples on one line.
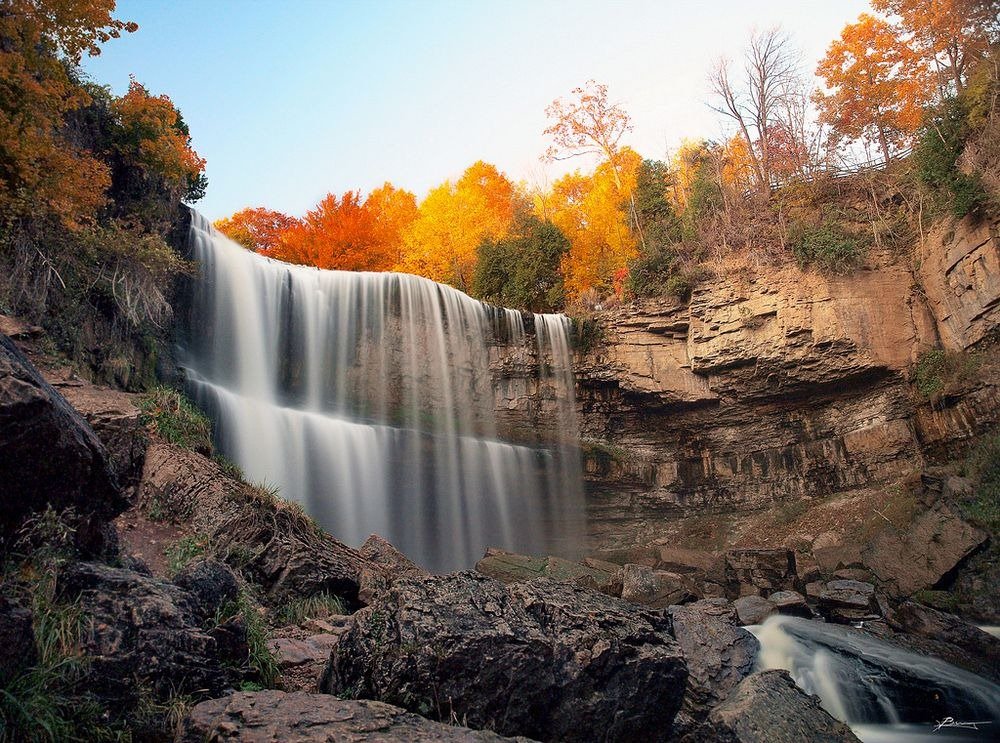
[(289, 100)]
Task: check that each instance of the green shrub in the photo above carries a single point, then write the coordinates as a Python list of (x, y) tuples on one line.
[(983, 466), (939, 147), (939, 373), (649, 274), (183, 551), (317, 606), (260, 662), (827, 246), (177, 420)]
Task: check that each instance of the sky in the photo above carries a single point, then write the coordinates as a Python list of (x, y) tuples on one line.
[(289, 100)]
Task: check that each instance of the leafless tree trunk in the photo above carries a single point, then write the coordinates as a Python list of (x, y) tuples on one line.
[(771, 77)]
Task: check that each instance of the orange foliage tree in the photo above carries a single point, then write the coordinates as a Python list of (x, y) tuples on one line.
[(394, 210), (451, 222), (949, 34), (39, 166), (337, 234), (257, 229), (154, 137), (877, 85)]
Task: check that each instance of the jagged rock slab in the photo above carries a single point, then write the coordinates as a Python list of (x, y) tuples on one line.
[(299, 717), (49, 456), (139, 632), (718, 655), (510, 567), (768, 707), (548, 660), (931, 546)]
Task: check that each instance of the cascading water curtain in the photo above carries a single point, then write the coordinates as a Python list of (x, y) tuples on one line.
[(368, 399)]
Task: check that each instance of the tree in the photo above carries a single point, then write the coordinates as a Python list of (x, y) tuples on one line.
[(770, 78), (41, 42), (522, 269), (949, 34), (453, 220), (152, 135), (588, 126), (393, 211), (339, 234), (590, 211), (878, 86), (257, 229)]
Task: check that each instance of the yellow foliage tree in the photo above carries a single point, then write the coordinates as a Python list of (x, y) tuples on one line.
[(593, 212), (451, 222)]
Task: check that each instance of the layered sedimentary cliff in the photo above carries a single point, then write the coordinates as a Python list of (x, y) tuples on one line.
[(776, 384)]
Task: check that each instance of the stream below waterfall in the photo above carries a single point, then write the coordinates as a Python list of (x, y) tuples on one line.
[(368, 398), (885, 693)]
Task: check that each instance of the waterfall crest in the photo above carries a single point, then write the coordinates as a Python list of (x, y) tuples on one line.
[(368, 399)]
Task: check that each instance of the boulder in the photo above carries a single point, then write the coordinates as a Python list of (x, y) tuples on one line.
[(969, 643), (768, 707), (17, 640), (753, 609), (49, 456), (300, 717), (791, 603), (719, 608), (138, 632), (510, 567), (718, 655), (655, 588), (847, 600), (381, 552), (212, 585), (759, 571), (931, 546), (118, 423), (549, 660)]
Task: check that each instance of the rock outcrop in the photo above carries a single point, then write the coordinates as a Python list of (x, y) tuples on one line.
[(547, 660), (140, 634), (817, 367), (50, 457), (270, 540), (768, 707), (266, 716)]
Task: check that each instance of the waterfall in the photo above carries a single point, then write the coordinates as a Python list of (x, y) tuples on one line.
[(368, 399), (885, 693)]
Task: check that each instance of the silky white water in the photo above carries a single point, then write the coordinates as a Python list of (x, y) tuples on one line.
[(885, 693), (368, 399)]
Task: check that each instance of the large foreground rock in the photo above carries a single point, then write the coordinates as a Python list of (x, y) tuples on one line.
[(768, 707), (719, 655), (544, 659), (49, 456), (268, 716), (139, 634)]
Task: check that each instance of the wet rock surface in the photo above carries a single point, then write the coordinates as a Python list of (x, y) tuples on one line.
[(768, 707), (300, 717), (543, 659)]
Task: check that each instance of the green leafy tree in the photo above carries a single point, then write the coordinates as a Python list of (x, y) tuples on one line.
[(522, 269)]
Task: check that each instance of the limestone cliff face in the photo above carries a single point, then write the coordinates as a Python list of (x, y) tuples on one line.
[(782, 384)]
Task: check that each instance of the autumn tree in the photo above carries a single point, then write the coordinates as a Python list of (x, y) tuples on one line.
[(256, 228), (877, 85), (591, 125), (337, 234), (590, 211), (453, 220), (41, 42), (393, 212), (757, 96), (522, 269), (949, 34)]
